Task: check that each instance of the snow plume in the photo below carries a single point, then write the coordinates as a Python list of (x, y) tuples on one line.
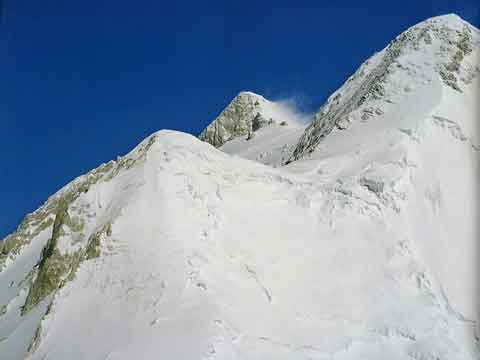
[(291, 107)]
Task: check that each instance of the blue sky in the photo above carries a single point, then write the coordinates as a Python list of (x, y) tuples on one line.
[(85, 81)]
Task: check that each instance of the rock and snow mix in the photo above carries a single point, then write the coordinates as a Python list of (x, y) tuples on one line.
[(246, 114), (361, 246)]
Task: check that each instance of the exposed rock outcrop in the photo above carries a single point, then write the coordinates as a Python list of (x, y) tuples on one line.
[(241, 117)]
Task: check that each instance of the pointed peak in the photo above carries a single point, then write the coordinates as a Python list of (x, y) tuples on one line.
[(451, 17), (440, 49), (235, 120), (451, 20), (250, 95), (247, 93)]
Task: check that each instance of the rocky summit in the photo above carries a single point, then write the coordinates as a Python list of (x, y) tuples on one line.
[(246, 113)]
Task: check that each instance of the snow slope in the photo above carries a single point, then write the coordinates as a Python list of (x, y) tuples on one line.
[(444, 47), (418, 96), (363, 248), (271, 145)]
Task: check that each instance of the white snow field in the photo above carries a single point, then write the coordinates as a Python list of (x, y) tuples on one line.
[(355, 238), (271, 145)]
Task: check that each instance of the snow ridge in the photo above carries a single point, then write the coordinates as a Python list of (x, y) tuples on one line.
[(444, 45)]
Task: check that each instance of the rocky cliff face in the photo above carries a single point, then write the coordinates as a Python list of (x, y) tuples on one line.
[(256, 128), (241, 117), (444, 47)]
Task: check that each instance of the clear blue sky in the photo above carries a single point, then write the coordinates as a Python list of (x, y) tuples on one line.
[(85, 81)]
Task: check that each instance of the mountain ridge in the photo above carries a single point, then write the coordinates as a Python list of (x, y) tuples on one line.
[(345, 252), (368, 83)]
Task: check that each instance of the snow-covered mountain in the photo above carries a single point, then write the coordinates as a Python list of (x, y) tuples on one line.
[(363, 246), (257, 129), (438, 48)]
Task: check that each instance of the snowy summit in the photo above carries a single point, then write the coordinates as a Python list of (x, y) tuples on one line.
[(350, 236)]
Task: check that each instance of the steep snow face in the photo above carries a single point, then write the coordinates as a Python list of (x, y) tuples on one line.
[(444, 47), (247, 113)]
